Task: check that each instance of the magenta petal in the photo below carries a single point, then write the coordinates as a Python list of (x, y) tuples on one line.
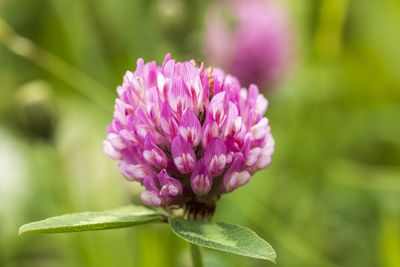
[(169, 186), (183, 154), (209, 130), (190, 128), (235, 176), (139, 66), (140, 116), (110, 151), (261, 104), (178, 98), (150, 74), (166, 59), (215, 155), (153, 154), (153, 108), (133, 155), (252, 98), (150, 183), (201, 181), (265, 154), (217, 108), (261, 129), (193, 82), (168, 122), (134, 171), (168, 66), (231, 118), (151, 198), (206, 89), (215, 147), (129, 137)]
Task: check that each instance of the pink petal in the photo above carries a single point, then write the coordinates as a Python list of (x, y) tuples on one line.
[(183, 154), (201, 181), (190, 128), (169, 186)]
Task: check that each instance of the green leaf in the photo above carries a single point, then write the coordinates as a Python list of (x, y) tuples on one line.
[(222, 236), (89, 221)]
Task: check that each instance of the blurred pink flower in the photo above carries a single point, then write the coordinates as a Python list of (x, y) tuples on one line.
[(186, 133), (252, 39)]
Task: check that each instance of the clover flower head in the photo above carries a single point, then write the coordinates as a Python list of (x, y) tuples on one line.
[(252, 39), (187, 133)]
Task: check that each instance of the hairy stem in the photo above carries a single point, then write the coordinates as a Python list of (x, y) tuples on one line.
[(195, 252)]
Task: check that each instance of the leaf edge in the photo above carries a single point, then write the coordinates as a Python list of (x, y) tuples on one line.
[(141, 219), (273, 260)]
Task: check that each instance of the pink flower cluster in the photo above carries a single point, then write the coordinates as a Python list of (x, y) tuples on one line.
[(252, 39), (187, 133)]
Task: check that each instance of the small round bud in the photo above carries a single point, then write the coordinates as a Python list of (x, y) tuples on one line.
[(35, 110)]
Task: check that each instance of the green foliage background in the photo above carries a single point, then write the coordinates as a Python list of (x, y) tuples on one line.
[(331, 195)]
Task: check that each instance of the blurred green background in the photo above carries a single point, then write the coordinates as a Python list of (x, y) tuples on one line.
[(330, 197)]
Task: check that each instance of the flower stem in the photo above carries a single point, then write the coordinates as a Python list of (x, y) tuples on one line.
[(195, 252)]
